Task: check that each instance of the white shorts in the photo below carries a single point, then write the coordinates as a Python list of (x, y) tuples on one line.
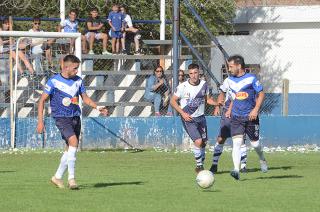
[(97, 36)]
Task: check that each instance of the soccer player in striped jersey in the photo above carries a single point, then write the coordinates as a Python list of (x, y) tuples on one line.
[(192, 95), (247, 94), (64, 90)]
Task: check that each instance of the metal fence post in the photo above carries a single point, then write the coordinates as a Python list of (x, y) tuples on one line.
[(285, 97)]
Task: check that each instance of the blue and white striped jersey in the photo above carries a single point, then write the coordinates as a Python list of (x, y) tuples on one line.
[(243, 91), (64, 95), (192, 97), (69, 26)]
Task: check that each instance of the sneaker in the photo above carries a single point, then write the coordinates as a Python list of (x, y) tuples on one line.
[(157, 114), (244, 170), (123, 51), (31, 76), (214, 168), (72, 184), (169, 114), (263, 166), (57, 182), (24, 75), (106, 53), (198, 169), (235, 174), (91, 52)]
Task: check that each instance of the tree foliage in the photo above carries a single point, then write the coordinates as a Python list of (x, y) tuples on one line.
[(216, 13)]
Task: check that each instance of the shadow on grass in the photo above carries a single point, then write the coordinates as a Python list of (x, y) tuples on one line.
[(276, 177), (6, 171), (258, 169), (103, 185), (116, 150), (210, 190)]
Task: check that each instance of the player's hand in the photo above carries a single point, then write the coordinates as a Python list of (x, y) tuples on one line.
[(216, 111), (253, 115), (103, 110), (228, 114), (186, 116), (161, 81), (113, 29), (40, 127)]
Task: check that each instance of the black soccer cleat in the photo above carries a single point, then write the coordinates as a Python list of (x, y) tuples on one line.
[(214, 168), (235, 175)]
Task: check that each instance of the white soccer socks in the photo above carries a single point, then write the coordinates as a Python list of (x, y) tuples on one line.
[(236, 152), (62, 166), (71, 161), (257, 147), (197, 155)]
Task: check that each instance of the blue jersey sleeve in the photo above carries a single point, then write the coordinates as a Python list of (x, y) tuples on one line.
[(82, 89), (48, 88), (110, 16), (257, 85)]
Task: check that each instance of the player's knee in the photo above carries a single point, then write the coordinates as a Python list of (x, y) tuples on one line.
[(221, 140), (73, 141), (255, 144), (198, 142)]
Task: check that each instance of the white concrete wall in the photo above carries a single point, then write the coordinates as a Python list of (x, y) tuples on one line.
[(282, 53)]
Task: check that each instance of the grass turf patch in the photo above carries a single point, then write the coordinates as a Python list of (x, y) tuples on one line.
[(158, 181)]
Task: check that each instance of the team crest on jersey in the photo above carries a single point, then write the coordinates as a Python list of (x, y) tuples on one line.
[(242, 95)]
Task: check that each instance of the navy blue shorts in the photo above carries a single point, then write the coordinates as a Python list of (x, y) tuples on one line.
[(68, 126), (225, 125), (116, 34), (197, 128), (242, 125)]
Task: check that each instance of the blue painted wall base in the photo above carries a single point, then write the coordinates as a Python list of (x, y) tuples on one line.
[(164, 132)]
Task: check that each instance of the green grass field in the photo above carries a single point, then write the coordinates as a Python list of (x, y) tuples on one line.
[(158, 181)]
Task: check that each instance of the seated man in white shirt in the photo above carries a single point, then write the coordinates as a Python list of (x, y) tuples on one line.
[(130, 29), (41, 45)]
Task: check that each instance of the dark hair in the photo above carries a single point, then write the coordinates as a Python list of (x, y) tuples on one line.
[(93, 9), (73, 11), (124, 7), (5, 20), (193, 66), (154, 71), (71, 58), (237, 59), (36, 18)]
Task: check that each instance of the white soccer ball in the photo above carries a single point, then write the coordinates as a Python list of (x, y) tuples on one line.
[(205, 179)]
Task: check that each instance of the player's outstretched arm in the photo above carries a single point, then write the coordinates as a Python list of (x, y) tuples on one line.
[(40, 125), (88, 101)]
